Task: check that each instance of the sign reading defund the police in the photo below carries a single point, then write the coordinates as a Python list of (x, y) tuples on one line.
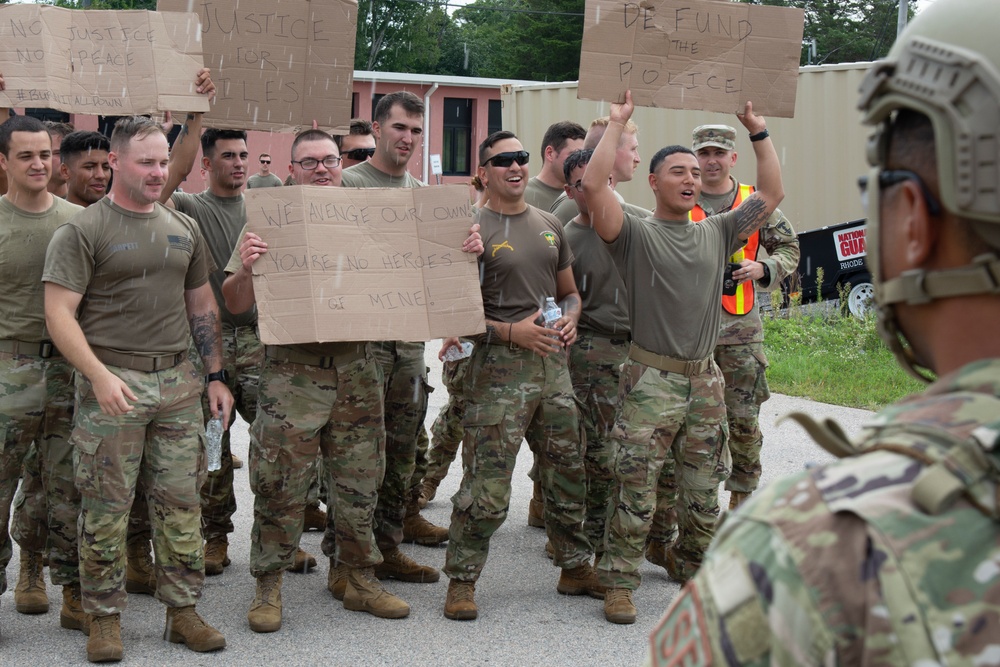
[(364, 264), (101, 62), (692, 54), (277, 66)]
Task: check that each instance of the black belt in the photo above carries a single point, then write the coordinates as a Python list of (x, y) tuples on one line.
[(281, 353), (136, 362), (44, 349), (615, 339)]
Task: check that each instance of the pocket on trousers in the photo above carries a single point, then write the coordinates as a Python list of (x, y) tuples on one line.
[(87, 471)]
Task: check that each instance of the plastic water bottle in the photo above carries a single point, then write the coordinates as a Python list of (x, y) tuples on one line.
[(213, 445), (461, 352), (551, 313)]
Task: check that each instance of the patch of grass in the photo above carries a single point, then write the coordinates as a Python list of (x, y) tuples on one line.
[(833, 358)]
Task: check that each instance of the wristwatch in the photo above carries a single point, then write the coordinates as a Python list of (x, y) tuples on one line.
[(218, 376), (766, 278)]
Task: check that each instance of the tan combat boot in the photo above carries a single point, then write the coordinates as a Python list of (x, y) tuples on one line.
[(618, 607), (185, 626), (421, 531), (105, 643), (460, 605), (336, 580), (536, 508), (304, 562), (29, 594), (656, 552), (315, 518), (265, 611), (237, 462), (365, 593), (72, 616), (140, 573), (581, 580), (397, 565), (679, 569), (737, 498), (428, 489), (216, 555)]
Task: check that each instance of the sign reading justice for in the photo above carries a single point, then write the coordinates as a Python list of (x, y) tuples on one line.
[(364, 264)]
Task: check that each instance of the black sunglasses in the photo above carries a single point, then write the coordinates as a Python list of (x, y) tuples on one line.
[(265, 162), (889, 177), (504, 160), (360, 154)]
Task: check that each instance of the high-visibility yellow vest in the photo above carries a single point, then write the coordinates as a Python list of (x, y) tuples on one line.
[(740, 303)]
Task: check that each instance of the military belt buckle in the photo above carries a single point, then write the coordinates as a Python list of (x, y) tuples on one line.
[(46, 349)]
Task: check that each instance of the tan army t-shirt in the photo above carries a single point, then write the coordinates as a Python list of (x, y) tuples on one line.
[(132, 270)]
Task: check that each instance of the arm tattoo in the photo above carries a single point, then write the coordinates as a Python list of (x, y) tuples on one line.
[(207, 335), (750, 216)]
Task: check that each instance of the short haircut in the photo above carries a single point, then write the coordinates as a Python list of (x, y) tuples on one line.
[(411, 104), (576, 159), (83, 141), (263, 155), (311, 135), (559, 133), (18, 124), (212, 136), (132, 127), (488, 142), (666, 152), (59, 129), (602, 123), (359, 128)]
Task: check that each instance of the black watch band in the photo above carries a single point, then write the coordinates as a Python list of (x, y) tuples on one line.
[(218, 376), (766, 278), (760, 136)]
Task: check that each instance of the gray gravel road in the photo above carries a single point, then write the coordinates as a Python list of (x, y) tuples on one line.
[(522, 620)]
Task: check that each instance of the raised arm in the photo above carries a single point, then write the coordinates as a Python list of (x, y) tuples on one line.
[(754, 211), (605, 210), (4, 115), (185, 148)]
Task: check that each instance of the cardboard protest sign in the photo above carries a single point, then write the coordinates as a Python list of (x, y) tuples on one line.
[(277, 66), (692, 54), (99, 61), (364, 264)]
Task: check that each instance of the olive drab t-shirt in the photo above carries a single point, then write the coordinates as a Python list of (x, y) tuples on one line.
[(523, 253), (364, 175), (673, 273), (24, 237), (541, 195), (132, 270), (221, 220), (602, 290)]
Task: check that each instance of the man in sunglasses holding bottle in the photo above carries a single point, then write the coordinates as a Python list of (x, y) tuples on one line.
[(264, 179)]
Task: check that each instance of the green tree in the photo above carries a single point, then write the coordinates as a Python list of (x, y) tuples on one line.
[(845, 31)]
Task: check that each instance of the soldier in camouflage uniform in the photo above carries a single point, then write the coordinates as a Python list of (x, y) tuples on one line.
[(36, 394), (447, 431), (739, 352), (889, 556), (517, 383), (671, 392), (121, 304)]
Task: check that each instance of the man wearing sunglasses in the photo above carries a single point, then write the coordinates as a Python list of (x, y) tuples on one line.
[(264, 178), (519, 385), (889, 555), (398, 131), (671, 399), (357, 146)]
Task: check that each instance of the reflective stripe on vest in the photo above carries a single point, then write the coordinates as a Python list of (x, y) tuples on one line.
[(740, 303)]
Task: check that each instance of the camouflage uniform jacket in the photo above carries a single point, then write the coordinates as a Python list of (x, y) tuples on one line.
[(888, 557), (782, 245)]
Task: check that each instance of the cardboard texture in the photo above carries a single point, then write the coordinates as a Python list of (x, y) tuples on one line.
[(692, 54), (104, 62), (364, 264), (277, 66)]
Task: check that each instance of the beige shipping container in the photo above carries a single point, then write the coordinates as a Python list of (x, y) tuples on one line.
[(822, 149)]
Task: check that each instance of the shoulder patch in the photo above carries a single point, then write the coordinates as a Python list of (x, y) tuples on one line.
[(681, 637)]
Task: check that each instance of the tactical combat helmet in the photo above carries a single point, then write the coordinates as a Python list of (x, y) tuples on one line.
[(946, 66)]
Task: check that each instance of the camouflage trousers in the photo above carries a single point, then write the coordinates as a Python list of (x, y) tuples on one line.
[(595, 366), (511, 394), (406, 391), (672, 425), (744, 369), (242, 354), (162, 442), (36, 405), (303, 412), (447, 430)]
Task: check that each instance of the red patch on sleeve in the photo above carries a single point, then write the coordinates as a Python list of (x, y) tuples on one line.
[(681, 637)]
